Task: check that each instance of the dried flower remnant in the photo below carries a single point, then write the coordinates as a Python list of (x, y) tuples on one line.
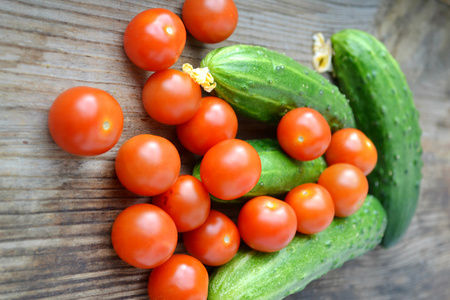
[(322, 53)]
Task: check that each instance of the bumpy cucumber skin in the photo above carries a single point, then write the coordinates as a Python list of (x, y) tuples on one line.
[(384, 110), (279, 172), (265, 85), (258, 275)]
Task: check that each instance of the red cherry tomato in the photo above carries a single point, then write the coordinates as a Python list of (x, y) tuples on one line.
[(267, 224), (171, 97), (215, 242), (352, 146), (230, 169), (154, 39), (85, 121), (313, 207), (186, 201), (148, 165), (144, 236), (210, 21), (181, 277), (304, 134), (347, 186), (214, 122)]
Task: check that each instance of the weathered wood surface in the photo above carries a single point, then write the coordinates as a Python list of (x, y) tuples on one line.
[(56, 210)]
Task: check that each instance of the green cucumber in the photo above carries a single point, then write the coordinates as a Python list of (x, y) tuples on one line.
[(258, 275), (279, 172), (384, 110), (264, 85)]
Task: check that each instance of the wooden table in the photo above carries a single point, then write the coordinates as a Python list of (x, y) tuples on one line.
[(56, 210)]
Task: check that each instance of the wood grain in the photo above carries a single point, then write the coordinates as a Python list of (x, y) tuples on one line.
[(56, 210)]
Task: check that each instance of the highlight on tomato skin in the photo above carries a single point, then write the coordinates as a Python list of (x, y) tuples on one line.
[(147, 165), (144, 236), (85, 121), (154, 39), (180, 277)]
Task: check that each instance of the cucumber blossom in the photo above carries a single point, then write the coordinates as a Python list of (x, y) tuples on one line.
[(263, 84), (384, 110)]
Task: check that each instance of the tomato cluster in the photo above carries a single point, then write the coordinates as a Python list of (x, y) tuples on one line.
[(149, 165), (88, 121), (305, 135)]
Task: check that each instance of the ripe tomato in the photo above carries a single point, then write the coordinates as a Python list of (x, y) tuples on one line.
[(147, 164), (347, 185), (186, 201), (171, 97), (230, 169), (85, 121), (352, 146), (313, 207), (210, 21), (267, 224), (304, 134), (180, 277), (154, 39), (215, 242), (144, 236), (214, 122)]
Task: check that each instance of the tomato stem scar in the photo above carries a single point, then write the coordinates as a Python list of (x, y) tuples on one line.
[(106, 125)]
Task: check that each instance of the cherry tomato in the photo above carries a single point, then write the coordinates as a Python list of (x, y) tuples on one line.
[(181, 277), (313, 207), (148, 165), (267, 224), (304, 134), (186, 201), (347, 186), (214, 122), (85, 121), (352, 146), (210, 21), (171, 97), (154, 39), (144, 236), (215, 242), (230, 169)]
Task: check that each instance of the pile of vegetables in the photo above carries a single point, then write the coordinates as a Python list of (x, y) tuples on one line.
[(341, 176)]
